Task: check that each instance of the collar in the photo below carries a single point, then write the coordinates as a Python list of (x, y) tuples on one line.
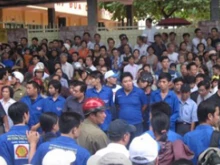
[(87, 121), (19, 127), (58, 98), (20, 88), (186, 102), (103, 89), (78, 101), (204, 126), (66, 139), (9, 101), (116, 146), (112, 87)]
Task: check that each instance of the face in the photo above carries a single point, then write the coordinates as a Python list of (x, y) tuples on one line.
[(171, 48), (55, 44), (96, 48), (197, 61), (164, 84), (54, 53), (144, 60), (177, 86), (127, 83), (136, 54), (112, 80), (183, 46), (185, 95), (201, 48), (186, 38), (31, 91), (59, 72), (102, 52), (193, 70), (84, 45), (190, 56), (199, 33), (77, 40), (199, 79), (100, 117), (52, 90), (103, 70), (13, 80), (148, 24), (57, 66), (77, 93), (5, 56), (165, 64), (214, 33), (142, 84), (63, 59), (111, 44), (214, 118), (115, 53), (101, 62), (35, 60), (6, 93), (74, 57), (23, 42), (94, 81), (131, 61), (127, 49), (97, 38), (88, 61), (39, 74), (203, 91), (181, 59), (150, 51), (209, 41)]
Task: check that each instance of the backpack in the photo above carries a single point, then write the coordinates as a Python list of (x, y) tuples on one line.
[(211, 156)]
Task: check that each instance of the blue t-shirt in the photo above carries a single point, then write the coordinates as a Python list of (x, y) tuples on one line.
[(130, 106), (65, 143), (14, 147)]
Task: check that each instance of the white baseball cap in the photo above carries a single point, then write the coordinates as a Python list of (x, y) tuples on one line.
[(18, 75), (59, 157), (110, 73), (144, 147), (2, 161)]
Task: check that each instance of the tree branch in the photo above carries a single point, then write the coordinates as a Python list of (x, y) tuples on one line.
[(171, 13)]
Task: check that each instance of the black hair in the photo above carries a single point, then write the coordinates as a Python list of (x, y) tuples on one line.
[(110, 39), (165, 34), (205, 69), (186, 34), (56, 75), (11, 91), (77, 36), (202, 45), (172, 65), (86, 33), (103, 47), (48, 120), (3, 72), (204, 83), (56, 84), (16, 112), (190, 80), (178, 79), (34, 84), (97, 34), (200, 59), (196, 30), (162, 58), (216, 66), (214, 28), (150, 47), (35, 38), (97, 74), (114, 49), (36, 56), (188, 67), (166, 76), (149, 19), (159, 122), (141, 38), (204, 109), (83, 41), (126, 74), (182, 162), (218, 84), (172, 33), (82, 85), (24, 38), (161, 107), (200, 75), (68, 121), (129, 57)]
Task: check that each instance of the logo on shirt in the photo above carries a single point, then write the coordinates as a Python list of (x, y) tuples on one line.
[(39, 108), (21, 151), (59, 109)]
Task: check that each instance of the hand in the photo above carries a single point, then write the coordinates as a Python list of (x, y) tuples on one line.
[(35, 127), (32, 137)]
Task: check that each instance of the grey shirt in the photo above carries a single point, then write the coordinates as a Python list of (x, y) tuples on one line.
[(73, 105)]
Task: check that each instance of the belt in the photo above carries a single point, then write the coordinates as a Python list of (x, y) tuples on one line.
[(184, 123)]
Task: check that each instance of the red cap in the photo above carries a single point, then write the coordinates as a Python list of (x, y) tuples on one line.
[(93, 105)]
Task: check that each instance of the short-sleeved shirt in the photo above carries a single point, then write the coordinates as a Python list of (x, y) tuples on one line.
[(130, 106), (19, 93), (64, 143)]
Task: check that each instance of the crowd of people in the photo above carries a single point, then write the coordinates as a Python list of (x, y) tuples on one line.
[(83, 102)]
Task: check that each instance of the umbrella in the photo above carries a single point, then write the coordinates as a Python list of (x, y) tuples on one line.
[(173, 22)]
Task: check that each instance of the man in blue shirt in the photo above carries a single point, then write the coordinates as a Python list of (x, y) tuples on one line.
[(103, 92), (35, 103), (14, 145), (131, 103), (165, 108), (199, 139), (168, 96), (54, 103), (187, 113), (69, 123)]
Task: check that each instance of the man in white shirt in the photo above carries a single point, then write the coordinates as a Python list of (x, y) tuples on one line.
[(204, 91), (87, 38), (172, 55), (119, 133), (150, 31), (97, 39), (131, 67), (67, 68), (198, 39), (89, 63), (141, 46)]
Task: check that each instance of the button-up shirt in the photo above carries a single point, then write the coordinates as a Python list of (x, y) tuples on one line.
[(188, 111), (133, 69), (67, 68), (173, 102), (200, 98), (142, 49), (113, 147), (5, 106), (198, 140)]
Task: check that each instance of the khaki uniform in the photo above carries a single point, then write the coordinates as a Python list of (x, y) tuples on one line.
[(19, 93), (92, 137)]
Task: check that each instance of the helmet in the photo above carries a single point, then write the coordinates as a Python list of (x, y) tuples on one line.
[(77, 65), (39, 67), (146, 76), (92, 105), (18, 75)]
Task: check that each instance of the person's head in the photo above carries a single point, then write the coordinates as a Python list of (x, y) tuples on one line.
[(150, 50), (160, 123), (140, 40), (49, 122), (181, 59), (143, 150), (164, 81), (24, 41), (19, 113), (111, 42), (182, 162), (131, 59), (79, 89), (173, 66), (3, 74), (104, 69), (36, 59), (198, 32), (160, 107), (143, 60), (127, 81), (59, 72), (201, 47), (136, 53), (102, 61), (119, 131), (7, 92), (54, 87), (216, 69), (192, 69), (35, 41), (111, 77), (115, 52), (96, 47), (165, 36), (69, 123), (97, 38), (103, 50), (183, 70), (89, 61), (214, 32), (186, 37), (96, 78), (17, 78), (157, 38), (183, 46), (127, 49), (172, 36), (208, 112), (94, 110), (209, 41), (63, 58), (165, 62), (191, 80), (199, 60), (178, 82), (75, 56), (32, 88), (86, 36), (84, 44), (123, 38), (149, 22), (200, 77), (190, 56), (204, 88), (77, 40), (185, 92)]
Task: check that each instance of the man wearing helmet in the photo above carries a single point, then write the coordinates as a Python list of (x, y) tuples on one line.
[(16, 82), (91, 136)]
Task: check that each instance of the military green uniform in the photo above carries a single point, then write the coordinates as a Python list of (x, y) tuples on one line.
[(92, 137), (19, 93)]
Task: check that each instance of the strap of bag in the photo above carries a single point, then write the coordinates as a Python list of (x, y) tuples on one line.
[(215, 138)]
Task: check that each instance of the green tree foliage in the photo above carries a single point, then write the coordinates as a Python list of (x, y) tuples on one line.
[(159, 9)]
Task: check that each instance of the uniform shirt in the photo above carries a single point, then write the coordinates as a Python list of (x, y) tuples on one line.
[(73, 105), (113, 147), (19, 93), (173, 102), (130, 106), (5, 106), (92, 137), (198, 140), (188, 111), (64, 143), (106, 95), (36, 108), (142, 49), (14, 145), (171, 72), (172, 136), (67, 68)]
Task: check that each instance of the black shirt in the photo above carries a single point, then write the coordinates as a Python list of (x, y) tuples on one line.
[(2, 114)]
